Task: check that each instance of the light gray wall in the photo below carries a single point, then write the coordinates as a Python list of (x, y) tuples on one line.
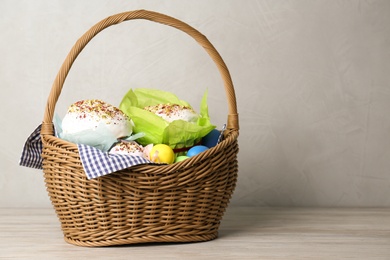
[(312, 80)]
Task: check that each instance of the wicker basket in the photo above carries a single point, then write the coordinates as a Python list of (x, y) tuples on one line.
[(181, 202)]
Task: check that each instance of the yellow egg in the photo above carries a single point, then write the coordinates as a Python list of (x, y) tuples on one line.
[(162, 153)]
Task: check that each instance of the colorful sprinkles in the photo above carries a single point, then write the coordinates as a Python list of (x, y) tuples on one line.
[(171, 112), (98, 108)]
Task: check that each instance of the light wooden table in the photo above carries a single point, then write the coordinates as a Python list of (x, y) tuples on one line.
[(245, 233)]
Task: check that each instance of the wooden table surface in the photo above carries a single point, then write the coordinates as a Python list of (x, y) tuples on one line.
[(245, 233)]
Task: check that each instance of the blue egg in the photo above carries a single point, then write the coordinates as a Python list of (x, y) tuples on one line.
[(196, 150), (211, 139)]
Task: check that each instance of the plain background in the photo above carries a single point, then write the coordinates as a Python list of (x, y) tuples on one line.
[(312, 80)]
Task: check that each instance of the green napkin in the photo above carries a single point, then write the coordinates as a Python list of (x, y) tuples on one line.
[(177, 134)]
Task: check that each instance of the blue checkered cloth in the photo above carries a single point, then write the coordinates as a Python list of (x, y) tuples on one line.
[(31, 154), (95, 162)]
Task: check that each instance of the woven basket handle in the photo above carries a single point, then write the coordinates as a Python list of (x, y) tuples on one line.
[(232, 120)]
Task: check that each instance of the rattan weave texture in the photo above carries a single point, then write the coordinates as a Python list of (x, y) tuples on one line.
[(181, 202)]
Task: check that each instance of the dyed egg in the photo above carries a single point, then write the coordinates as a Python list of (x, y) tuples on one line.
[(162, 153), (181, 158), (211, 139), (196, 150)]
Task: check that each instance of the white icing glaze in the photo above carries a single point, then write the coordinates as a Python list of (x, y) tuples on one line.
[(172, 112), (89, 115)]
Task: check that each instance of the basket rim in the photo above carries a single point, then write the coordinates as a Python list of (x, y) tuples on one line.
[(188, 163)]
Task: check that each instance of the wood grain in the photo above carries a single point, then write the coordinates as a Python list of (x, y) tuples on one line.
[(245, 233)]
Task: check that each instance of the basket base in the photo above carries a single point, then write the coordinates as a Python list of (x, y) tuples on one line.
[(143, 240)]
